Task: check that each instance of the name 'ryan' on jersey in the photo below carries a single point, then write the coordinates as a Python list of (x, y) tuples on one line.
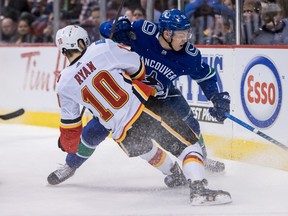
[(105, 80)]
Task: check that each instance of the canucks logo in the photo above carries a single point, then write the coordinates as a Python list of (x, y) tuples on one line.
[(152, 80)]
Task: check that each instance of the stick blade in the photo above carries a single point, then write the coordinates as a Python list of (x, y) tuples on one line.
[(13, 114)]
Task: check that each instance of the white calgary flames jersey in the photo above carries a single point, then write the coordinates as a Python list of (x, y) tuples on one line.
[(103, 79)]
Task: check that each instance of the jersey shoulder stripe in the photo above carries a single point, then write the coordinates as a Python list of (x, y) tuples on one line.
[(140, 74)]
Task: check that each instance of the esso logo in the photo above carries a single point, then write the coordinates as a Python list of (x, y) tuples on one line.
[(261, 92)]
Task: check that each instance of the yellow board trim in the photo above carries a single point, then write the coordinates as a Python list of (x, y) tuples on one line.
[(44, 119), (264, 154), (260, 153)]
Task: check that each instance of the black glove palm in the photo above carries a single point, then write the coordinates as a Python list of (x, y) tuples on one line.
[(221, 102), (123, 31)]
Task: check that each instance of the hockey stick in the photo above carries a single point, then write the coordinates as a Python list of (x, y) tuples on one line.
[(116, 19), (110, 37), (13, 114), (256, 131)]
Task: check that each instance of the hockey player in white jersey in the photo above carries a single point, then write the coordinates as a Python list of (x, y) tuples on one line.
[(168, 55), (160, 51), (106, 78)]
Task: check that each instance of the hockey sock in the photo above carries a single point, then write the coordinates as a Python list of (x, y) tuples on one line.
[(158, 159), (192, 162), (84, 152), (203, 147)]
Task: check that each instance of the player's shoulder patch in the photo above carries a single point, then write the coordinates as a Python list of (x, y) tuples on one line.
[(191, 49), (100, 41), (149, 27)]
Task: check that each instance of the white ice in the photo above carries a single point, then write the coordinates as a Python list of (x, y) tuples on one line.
[(111, 184)]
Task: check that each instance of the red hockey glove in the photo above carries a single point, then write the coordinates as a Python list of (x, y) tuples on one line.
[(69, 139)]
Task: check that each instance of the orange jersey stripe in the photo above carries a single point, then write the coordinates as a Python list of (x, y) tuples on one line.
[(175, 134), (143, 89), (71, 126), (149, 112), (128, 125), (141, 73), (127, 76), (167, 127)]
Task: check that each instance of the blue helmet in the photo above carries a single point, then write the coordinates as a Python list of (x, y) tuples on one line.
[(173, 20)]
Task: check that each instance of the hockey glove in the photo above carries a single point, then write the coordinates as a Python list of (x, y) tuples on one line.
[(123, 31), (221, 102), (68, 148), (70, 139), (60, 146)]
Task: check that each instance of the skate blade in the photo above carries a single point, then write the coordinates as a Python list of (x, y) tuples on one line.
[(219, 200)]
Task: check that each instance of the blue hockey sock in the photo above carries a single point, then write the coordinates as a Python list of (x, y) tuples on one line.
[(84, 152)]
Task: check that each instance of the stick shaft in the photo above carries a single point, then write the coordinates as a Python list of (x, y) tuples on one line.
[(256, 131), (116, 19)]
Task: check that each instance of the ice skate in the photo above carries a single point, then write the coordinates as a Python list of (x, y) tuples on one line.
[(60, 175), (177, 177), (214, 166), (199, 195)]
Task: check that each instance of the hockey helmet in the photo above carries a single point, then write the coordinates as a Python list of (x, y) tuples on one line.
[(67, 38), (173, 20)]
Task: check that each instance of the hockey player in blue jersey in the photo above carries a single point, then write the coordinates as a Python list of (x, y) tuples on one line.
[(167, 54)]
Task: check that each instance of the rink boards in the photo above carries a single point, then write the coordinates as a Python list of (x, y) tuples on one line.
[(256, 79)]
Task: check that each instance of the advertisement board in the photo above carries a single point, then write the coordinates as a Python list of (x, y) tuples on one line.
[(256, 79)]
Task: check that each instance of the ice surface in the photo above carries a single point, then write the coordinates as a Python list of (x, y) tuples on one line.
[(111, 184)]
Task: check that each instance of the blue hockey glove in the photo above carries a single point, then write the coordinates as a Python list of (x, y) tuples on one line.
[(123, 31), (123, 24), (221, 102)]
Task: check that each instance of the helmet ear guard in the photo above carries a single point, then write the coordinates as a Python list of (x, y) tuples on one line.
[(68, 38), (64, 50)]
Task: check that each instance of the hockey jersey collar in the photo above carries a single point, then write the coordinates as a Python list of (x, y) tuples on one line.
[(76, 59)]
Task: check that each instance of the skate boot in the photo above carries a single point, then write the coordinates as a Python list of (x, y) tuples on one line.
[(177, 177), (213, 166), (199, 195), (60, 175)]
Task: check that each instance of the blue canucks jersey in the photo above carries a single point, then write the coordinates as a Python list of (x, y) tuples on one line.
[(164, 66)]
